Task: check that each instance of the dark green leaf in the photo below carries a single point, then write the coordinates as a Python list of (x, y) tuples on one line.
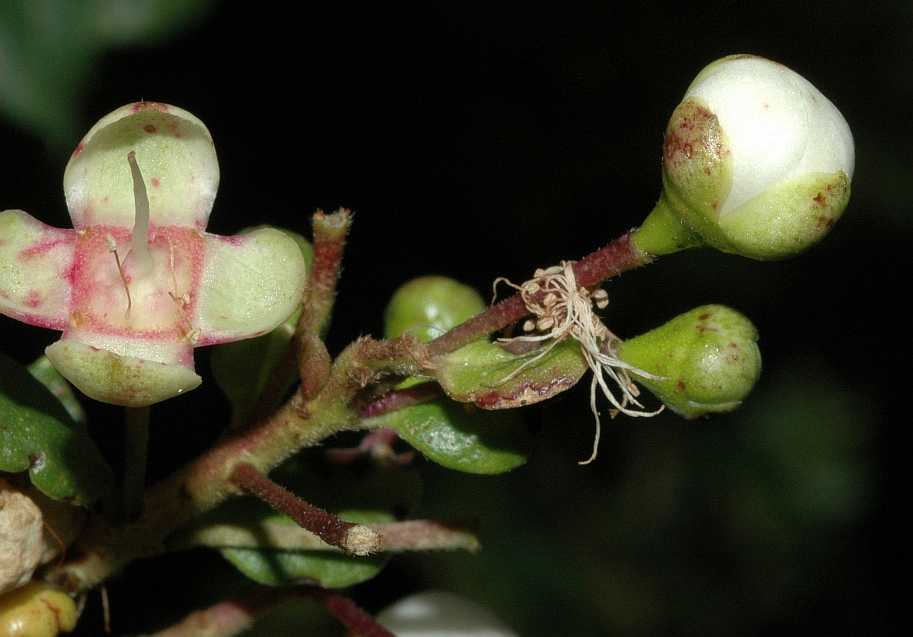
[(487, 375), (42, 369), (460, 437), (37, 435)]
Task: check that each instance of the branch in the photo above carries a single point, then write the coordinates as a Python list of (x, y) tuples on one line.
[(400, 399), (350, 615), (351, 538), (618, 256), (330, 233), (224, 619), (234, 616), (394, 537)]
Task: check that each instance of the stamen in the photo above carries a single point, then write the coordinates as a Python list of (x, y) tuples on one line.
[(142, 259), (567, 311), (112, 247)]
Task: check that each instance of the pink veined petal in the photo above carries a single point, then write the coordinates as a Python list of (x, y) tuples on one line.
[(250, 284), (36, 262), (175, 152)]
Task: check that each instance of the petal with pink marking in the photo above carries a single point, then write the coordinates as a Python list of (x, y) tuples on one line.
[(175, 153), (35, 264), (250, 284)]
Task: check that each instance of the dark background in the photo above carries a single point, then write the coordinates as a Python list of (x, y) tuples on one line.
[(485, 142)]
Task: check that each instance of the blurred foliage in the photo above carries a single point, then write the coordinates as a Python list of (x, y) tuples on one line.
[(48, 49)]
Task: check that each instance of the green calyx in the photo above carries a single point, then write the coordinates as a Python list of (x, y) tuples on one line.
[(707, 360)]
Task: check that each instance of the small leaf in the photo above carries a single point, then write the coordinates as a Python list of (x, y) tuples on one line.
[(374, 496), (242, 369), (329, 570), (491, 377), (39, 436), (460, 437), (42, 369)]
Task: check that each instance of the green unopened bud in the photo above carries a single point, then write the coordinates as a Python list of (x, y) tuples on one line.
[(428, 306), (756, 161), (707, 360)]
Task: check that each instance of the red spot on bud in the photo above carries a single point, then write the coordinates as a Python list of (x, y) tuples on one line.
[(680, 385), (149, 128), (149, 106), (155, 182), (33, 299), (79, 148), (820, 199)]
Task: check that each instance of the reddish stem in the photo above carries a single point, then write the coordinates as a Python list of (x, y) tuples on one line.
[(400, 399), (330, 233), (350, 614), (618, 256), (328, 527)]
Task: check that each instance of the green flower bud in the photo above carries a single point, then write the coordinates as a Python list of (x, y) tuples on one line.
[(707, 360), (428, 306), (756, 161)]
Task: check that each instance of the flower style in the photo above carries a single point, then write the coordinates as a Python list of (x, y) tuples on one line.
[(138, 283), (756, 160)]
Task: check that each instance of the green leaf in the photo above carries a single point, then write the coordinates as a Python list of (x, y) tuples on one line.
[(242, 369), (48, 50), (39, 436), (381, 494), (42, 370), (491, 377), (460, 437)]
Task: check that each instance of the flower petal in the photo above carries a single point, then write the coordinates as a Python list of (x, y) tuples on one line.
[(119, 380), (250, 284), (178, 161), (35, 263)]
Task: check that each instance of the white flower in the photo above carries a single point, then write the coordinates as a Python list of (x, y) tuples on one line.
[(441, 614)]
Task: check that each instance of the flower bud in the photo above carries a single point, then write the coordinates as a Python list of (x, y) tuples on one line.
[(756, 161), (706, 360), (440, 614), (428, 306), (36, 610)]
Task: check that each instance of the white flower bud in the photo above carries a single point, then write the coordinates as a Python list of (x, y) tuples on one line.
[(756, 161), (779, 126), (441, 614)]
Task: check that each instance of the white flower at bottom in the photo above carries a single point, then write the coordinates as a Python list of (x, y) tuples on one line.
[(441, 614)]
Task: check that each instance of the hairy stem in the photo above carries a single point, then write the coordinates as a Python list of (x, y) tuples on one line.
[(409, 535), (350, 615), (224, 619), (206, 482), (351, 538), (618, 256)]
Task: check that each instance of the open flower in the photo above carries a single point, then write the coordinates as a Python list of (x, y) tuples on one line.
[(138, 283), (756, 161)]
